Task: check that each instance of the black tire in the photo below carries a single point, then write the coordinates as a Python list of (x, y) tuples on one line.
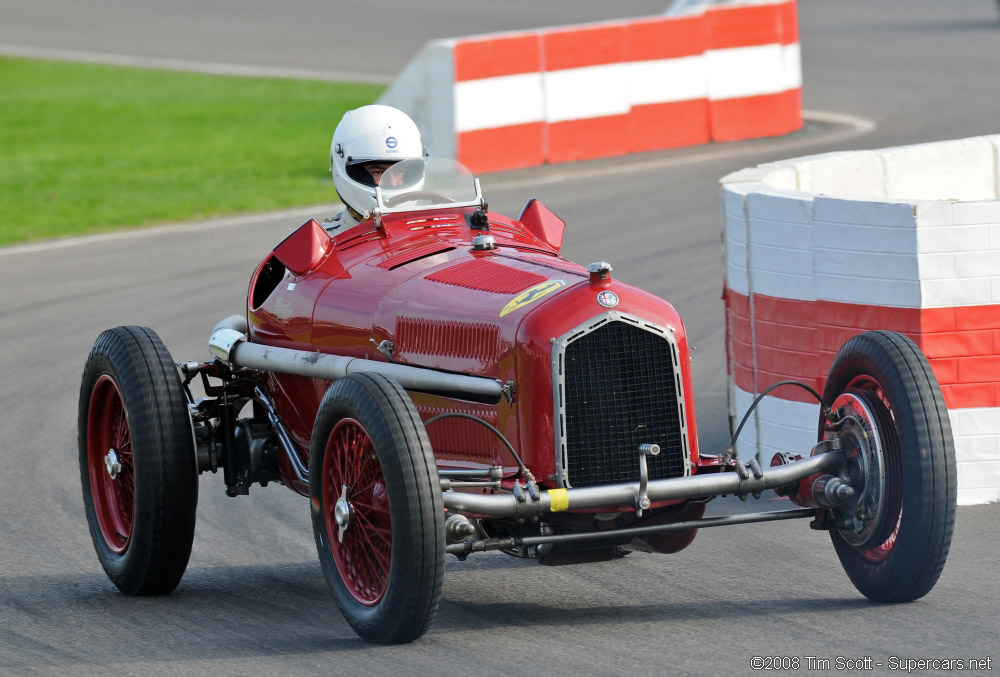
[(894, 551), (142, 515), (386, 569)]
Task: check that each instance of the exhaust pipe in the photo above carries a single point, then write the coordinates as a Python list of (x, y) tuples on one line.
[(229, 343)]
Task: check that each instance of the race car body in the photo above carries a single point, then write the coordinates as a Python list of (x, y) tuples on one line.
[(438, 379), (505, 309)]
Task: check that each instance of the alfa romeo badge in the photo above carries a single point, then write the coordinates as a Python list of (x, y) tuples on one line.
[(608, 299)]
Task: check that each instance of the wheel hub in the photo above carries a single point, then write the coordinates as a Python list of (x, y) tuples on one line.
[(863, 442), (342, 512), (112, 463)]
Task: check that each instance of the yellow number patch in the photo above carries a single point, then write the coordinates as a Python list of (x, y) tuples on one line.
[(532, 294)]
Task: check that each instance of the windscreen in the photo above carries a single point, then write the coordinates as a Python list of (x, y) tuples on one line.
[(426, 183)]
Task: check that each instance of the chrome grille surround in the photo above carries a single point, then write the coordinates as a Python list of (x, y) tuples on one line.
[(678, 453)]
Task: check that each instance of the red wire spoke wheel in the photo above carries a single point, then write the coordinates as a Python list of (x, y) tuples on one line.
[(378, 515), (137, 461), (893, 539), (358, 522), (109, 454), (880, 552)]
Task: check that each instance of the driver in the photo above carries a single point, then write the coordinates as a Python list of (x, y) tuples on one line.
[(367, 142)]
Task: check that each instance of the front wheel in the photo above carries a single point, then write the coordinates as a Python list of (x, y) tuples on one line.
[(137, 461), (377, 510), (893, 539)]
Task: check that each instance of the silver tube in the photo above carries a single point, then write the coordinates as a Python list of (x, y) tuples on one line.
[(228, 344), (237, 322), (697, 486), (222, 342), (417, 378), (291, 451), (721, 521), (464, 473)]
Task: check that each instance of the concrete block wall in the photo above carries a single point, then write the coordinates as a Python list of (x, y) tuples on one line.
[(821, 248), (520, 99)]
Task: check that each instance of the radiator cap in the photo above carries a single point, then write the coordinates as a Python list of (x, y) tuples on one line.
[(483, 242), (600, 271)]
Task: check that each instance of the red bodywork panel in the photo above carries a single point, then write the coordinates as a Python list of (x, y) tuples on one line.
[(418, 283)]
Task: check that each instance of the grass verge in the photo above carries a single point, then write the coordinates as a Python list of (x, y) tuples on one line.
[(86, 148)]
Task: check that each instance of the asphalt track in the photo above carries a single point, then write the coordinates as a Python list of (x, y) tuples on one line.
[(253, 599)]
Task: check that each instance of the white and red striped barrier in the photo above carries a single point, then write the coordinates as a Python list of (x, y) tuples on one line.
[(520, 99), (821, 248)]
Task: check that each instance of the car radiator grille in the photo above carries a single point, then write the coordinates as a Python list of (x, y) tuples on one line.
[(621, 388)]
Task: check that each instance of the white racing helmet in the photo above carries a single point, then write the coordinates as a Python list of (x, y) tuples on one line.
[(374, 133)]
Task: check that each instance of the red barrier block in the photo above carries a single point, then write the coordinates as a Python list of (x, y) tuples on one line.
[(937, 320), (968, 395), (958, 344), (788, 364), (498, 55), (587, 138), (979, 369), (667, 125), (756, 116), (664, 38), (743, 378), (785, 336), (745, 26), (738, 303), (739, 327), (501, 148), (946, 370), (866, 317), (830, 336), (787, 311), (743, 352), (581, 46), (977, 317), (789, 17)]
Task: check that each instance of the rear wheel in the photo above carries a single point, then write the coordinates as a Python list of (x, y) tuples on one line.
[(893, 539), (137, 462), (378, 515)]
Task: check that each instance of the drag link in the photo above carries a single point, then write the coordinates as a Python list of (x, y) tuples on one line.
[(490, 544)]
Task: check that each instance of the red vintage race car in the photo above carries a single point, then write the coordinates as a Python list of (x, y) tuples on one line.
[(439, 380)]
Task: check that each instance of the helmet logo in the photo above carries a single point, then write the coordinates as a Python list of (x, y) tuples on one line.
[(391, 142), (608, 299)]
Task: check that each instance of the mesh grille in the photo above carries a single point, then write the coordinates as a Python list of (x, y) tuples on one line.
[(620, 392)]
